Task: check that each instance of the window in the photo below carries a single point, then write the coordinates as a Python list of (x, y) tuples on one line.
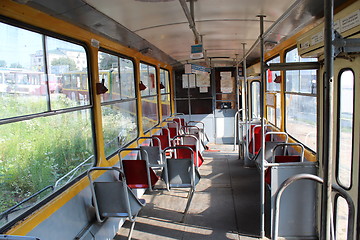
[(36, 152), (345, 128), (149, 98), (66, 75), (118, 106), (273, 107), (300, 99), (255, 99), (165, 93), (341, 218)]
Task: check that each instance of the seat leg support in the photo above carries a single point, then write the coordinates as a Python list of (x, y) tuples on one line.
[(131, 230), (190, 196)]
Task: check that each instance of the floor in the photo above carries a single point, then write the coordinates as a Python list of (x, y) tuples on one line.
[(225, 204)]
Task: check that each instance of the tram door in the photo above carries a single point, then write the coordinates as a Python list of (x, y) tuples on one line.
[(346, 139)]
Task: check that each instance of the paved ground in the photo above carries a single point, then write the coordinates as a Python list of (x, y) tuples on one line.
[(225, 204)]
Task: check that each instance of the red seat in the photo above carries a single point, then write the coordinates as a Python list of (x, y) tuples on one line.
[(164, 141), (173, 132), (280, 159), (180, 121), (184, 153), (256, 140), (284, 159), (136, 174)]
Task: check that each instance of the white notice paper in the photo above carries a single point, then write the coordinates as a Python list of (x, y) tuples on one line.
[(188, 81), (203, 89)]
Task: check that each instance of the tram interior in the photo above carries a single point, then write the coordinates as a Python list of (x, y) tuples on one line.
[(178, 119)]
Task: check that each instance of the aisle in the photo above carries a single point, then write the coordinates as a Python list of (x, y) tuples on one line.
[(225, 204)]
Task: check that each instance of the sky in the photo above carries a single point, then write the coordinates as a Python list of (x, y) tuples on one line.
[(17, 45)]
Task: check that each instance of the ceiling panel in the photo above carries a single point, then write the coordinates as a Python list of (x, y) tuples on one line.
[(240, 9), (137, 15), (223, 25), (163, 26)]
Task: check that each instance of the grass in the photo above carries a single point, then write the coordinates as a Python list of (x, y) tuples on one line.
[(35, 153), (118, 128)]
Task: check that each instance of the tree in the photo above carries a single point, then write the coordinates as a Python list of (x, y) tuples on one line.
[(2, 63), (107, 61), (16, 65), (64, 61)]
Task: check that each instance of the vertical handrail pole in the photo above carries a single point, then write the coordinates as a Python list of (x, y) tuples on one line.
[(326, 147), (246, 107), (237, 83), (262, 89), (189, 100), (236, 126), (237, 119)]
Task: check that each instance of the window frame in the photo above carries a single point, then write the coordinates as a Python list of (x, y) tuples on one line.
[(251, 97), (338, 115), (157, 72), (285, 92), (47, 33), (166, 93), (277, 94), (122, 100), (335, 212)]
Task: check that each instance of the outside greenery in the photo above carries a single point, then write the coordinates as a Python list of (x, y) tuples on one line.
[(37, 152), (119, 128)]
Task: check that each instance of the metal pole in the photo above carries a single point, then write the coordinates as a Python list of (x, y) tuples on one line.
[(237, 120), (237, 82), (213, 90), (287, 13), (190, 19), (262, 89), (326, 147), (189, 100), (246, 107)]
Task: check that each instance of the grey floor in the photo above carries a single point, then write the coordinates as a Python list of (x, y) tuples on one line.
[(225, 204)]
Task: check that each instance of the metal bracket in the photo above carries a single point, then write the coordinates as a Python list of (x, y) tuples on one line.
[(350, 45)]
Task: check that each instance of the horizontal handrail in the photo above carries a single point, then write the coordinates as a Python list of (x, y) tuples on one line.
[(285, 164), (11, 210), (72, 171), (289, 144)]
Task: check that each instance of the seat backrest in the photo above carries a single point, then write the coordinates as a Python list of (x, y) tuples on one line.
[(179, 173), (255, 139), (164, 141), (112, 201), (173, 131), (180, 121), (136, 174), (113, 198), (186, 154), (190, 140), (289, 158), (153, 153)]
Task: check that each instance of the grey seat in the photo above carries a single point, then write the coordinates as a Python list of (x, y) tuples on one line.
[(114, 198), (153, 154), (181, 173)]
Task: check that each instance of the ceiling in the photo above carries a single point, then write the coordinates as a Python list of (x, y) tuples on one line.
[(162, 26)]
